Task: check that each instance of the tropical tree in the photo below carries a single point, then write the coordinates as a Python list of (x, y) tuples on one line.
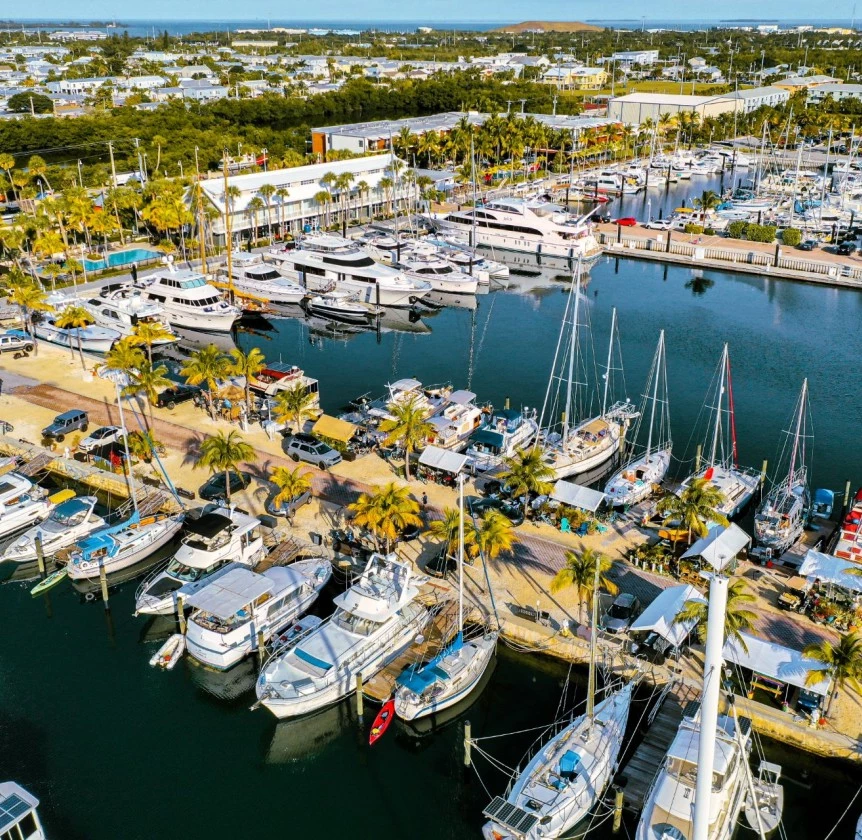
[(323, 199), (843, 661), (142, 445), (75, 318), (148, 333), (206, 367), (386, 512), (266, 192), (125, 356), (580, 573), (7, 164), (342, 184), (362, 190), (254, 206), (291, 483), (294, 405), (738, 619), (223, 453), (48, 243), (694, 508), (490, 536), (409, 427), (526, 472), (707, 201), (446, 529), (148, 380), (30, 298), (247, 365), (385, 184), (281, 194)]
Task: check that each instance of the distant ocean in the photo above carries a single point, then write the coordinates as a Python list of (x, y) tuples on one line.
[(142, 28)]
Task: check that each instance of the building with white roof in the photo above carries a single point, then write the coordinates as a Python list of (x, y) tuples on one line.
[(754, 98), (634, 108), (837, 92)]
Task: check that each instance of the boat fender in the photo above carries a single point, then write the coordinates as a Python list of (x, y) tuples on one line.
[(90, 596)]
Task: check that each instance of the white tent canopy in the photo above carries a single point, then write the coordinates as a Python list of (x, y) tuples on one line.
[(780, 663), (577, 496), (720, 545), (442, 459), (659, 616), (231, 592), (829, 569)]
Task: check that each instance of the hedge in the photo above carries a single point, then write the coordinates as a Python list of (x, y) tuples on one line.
[(791, 237)]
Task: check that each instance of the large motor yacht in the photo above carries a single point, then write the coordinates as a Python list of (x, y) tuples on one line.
[(18, 817), (260, 280), (501, 436), (425, 264), (120, 307), (89, 339)]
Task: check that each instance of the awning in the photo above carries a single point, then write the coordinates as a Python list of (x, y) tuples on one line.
[(720, 545), (660, 615), (461, 397), (442, 459), (208, 525), (227, 595), (780, 663), (333, 428), (829, 569), (488, 438), (577, 496)]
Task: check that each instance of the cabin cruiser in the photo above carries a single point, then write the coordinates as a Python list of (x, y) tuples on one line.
[(468, 260), (279, 376), (188, 300), (23, 503), (19, 819), (211, 540), (370, 412), (374, 621), (240, 609), (68, 523), (122, 546), (255, 278), (455, 421), (89, 339), (425, 264), (516, 224), (342, 306), (119, 307), (324, 263), (500, 436)]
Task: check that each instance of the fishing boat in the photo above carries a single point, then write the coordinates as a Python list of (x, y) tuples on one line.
[(374, 621), (736, 484), (212, 540), (241, 609), (91, 339), (456, 671), (636, 480), (502, 434), (19, 819), (341, 306), (764, 804), (780, 519), (251, 276)]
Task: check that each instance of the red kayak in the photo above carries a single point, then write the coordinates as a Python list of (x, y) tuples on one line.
[(382, 721)]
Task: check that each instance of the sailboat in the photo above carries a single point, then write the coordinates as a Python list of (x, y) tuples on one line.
[(596, 440), (637, 478), (568, 774), (780, 520), (736, 483), (454, 673)]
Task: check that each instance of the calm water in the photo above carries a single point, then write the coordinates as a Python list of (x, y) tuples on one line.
[(115, 749)]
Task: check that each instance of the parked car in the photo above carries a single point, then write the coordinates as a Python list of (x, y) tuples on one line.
[(15, 341), (626, 221), (807, 245), (289, 506), (622, 612), (101, 437), (604, 218), (846, 248), (66, 423), (314, 451), (170, 397), (215, 487), (657, 224), (512, 510)]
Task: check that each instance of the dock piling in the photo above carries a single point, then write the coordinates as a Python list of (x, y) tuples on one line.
[(506, 404), (261, 647), (103, 582), (40, 555), (846, 506), (359, 696), (697, 457), (181, 614), (763, 471), (468, 732), (618, 808)]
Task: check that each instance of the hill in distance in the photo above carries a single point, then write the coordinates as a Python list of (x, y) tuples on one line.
[(549, 26)]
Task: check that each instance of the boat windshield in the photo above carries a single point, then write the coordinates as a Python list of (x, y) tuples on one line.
[(189, 574), (263, 274), (354, 624), (194, 283), (68, 520)]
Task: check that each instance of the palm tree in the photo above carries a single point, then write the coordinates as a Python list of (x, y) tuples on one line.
[(281, 194), (708, 200), (362, 190), (247, 365), (254, 206), (843, 663), (580, 573), (266, 192), (386, 512), (142, 445), (323, 198), (409, 427), (294, 405), (446, 529), (30, 298), (223, 453), (490, 536), (125, 356), (342, 184), (75, 318), (7, 164), (148, 333), (696, 506), (148, 380), (526, 472), (290, 483), (737, 617), (206, 366), (385, 184), (48, 243)]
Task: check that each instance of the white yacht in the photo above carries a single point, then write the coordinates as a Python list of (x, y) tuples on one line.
[(325, 263), (500, 436), (374, 621), (188, 300), (239, 609), (454, 422), (468, 260), (19, 819), (211, 540), (121, 308), (23, 503), (90, 339), (342, 306), (370, 413), (426, 265), (255, 278), (516, 224), (122, 546)]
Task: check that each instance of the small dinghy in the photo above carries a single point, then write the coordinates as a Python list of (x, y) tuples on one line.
[(169, 653), (382, 721), (769, 796), (50, 582)]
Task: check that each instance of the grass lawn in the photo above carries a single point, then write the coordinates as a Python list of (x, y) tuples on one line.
[(700, 89)]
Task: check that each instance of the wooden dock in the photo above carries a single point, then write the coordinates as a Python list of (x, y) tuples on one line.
[(637, 774)]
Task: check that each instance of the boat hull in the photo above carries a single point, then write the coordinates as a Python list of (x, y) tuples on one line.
[(636, 480)]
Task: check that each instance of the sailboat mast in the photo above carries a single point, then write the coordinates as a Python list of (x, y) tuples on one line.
[(570, 409), (126, 448), (228, 235), (610, 360), (461, 553), (658, 355), (795, 451), (717, 430), (594, 623)]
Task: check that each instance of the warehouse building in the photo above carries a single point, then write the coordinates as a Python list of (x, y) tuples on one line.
[(634, 108)]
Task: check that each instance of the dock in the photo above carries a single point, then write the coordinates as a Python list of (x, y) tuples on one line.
[(817, 538)]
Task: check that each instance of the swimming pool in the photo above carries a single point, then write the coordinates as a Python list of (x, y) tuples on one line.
[(122, 258)]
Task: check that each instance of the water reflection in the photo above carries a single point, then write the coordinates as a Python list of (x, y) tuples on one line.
[(307, 737)]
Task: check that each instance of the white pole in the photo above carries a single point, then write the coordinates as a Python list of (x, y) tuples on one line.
[(717, 430), (461, 553), (709, 704), (573, 348), (658, 355), (610, 361)]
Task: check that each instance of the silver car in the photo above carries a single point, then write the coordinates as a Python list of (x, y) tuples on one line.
[(312, 451)]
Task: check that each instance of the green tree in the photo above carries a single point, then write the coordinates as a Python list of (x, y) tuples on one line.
[(254, 206), (526, 472), (694, 508), (291, 484), (206, 367), (580, 573), (21, 103), (7, 164), (75, 318), (843, 661), (408, 427), (149, 333), (247, 365), (29, 298), (738, 619), (125, 356), (490, 536), (223, 453), (148, 380), (446, 529), (386, 512), (294, 405), (266, 192)]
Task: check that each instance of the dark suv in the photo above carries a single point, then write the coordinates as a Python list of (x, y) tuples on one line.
[(179, 393), (65, 423)]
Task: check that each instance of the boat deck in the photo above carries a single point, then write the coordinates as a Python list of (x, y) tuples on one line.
[(820, 535)]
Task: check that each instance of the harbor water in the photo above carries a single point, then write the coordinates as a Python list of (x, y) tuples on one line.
[(115, 749)]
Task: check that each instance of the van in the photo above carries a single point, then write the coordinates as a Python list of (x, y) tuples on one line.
[(63, 424)]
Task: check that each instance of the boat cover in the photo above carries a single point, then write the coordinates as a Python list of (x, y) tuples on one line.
[(461, 397), (333, 428), (208, 525), (720, 545), (575, 495), (227, 595), (660, 615), (442, 459), (488, 437), (829, 569)]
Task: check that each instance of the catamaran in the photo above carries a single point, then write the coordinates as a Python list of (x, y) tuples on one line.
[(780, 520), (637, 478)]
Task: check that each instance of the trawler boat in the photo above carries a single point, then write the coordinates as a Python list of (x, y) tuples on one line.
[(565, 778), (89, 339), (120, 308), (501, 436), (19, 819), (240, 609), (370, 413), (188, 300), (374, 621), (122, 546), (212, 540), (68, 523), (253, 277), (516, 224), (668, 810), (455, 421), (325, 263), (342, 306)]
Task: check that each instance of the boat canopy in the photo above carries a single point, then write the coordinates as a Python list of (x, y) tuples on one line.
[(829, 569), (720, 545), (74, 507), (404, 385), (488, 437), (660, 615), (333, 428), (777, 662), (461, 397), (418, 679), (685, 747), (98, 542), (208, 525), (227, 595), (576, 495), (442, 459)]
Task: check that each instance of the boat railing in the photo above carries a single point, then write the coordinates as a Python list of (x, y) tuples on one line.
[(151, 577)]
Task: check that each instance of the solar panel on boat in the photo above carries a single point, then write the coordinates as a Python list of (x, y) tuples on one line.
[(510, 816), (11, 810)]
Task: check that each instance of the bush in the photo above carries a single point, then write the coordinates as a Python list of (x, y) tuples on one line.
[(709, 231), (693, 228), (760, 233), (791, 237), (736, 230)]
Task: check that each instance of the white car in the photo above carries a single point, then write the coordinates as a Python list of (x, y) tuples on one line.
[(657, 224), (101, 437)]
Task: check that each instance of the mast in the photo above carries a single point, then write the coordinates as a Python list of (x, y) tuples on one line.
[(658, 354), (594, 623), (567, 423), (228, 236), (200, 207), (126, 448), (795, 451), (461, 554), (610, 360), (717, 430)]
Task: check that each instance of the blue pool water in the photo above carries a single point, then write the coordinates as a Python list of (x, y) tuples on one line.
[(122, 258)]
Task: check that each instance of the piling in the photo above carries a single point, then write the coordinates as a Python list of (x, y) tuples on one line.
[(261, 646), (506, 404), (846, 506), (181, 614), (40, 555), (619, 233), (468, 732), (359, 696), (763, 471), (103, 581), (697, 457), (777, 254), (667, 247), (618, 808)]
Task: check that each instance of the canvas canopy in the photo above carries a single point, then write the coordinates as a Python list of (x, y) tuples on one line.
[(442, 459), (720, 545), (227, 595), (660, 615), (577, 496), (333, 428), (461, 397), (829, 569)]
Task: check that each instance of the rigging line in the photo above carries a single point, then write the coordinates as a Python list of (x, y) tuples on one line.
[(849, 806), (485, 327), (481, 781)]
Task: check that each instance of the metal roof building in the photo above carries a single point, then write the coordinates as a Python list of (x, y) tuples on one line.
[(634, 108)]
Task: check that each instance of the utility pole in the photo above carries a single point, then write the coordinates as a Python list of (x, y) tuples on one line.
[(113, 167), (80, 175)]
